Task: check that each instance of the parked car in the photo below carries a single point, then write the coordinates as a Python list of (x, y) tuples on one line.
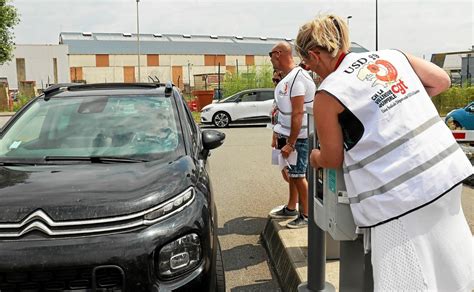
[(461, 118), (105, 187), (248, 106)]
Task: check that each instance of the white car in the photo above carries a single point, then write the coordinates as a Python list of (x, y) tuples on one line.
[(248, 106)]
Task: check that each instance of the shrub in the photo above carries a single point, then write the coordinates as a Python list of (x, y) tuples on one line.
[(253, 77), (454, 97), (21, 100)]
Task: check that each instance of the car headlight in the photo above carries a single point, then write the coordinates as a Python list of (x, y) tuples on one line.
[(206, 110), (170, 207), (179, 256)]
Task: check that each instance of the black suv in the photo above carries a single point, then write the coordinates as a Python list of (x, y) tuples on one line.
[(105, 187)]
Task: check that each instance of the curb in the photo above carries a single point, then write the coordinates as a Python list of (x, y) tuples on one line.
[(284, 262), (287, 250)]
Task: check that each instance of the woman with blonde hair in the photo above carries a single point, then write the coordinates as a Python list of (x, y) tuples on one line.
[(402, 167)]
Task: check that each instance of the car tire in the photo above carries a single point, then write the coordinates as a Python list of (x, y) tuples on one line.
[(221, 119), (220, 274)]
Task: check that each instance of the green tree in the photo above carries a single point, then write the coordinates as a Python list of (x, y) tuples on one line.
[(8, 19), (253, 77)]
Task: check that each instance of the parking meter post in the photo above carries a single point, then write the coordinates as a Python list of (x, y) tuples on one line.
[(355, 268), (316, 238), (316, 245)]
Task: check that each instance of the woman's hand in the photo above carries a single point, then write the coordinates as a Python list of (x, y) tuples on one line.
[(314, 157)]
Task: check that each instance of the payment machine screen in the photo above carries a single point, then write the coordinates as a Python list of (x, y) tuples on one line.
[(319, 184)]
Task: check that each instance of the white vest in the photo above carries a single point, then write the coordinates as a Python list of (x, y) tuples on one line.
[(296, 83), (406, 157)]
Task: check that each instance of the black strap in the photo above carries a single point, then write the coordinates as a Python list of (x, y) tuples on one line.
[(294, 79)]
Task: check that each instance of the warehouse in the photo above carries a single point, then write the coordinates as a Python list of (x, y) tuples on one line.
[(113, 57), (37, 64)]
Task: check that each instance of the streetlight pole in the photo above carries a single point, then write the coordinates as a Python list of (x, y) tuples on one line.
[(138, 43), (376, 26), (348, 17)]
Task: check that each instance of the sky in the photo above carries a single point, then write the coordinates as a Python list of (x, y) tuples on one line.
[(419, 27)]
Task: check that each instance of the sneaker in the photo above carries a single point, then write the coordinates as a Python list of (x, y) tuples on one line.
[(299, 222), (283, 213)]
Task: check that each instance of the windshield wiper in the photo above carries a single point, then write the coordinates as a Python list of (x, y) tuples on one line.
[(94, 159), (19, 163)]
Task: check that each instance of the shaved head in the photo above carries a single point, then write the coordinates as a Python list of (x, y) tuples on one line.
[(281, 57), (283, 46)]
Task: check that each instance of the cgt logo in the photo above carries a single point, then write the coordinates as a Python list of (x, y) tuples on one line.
[(382, 72)]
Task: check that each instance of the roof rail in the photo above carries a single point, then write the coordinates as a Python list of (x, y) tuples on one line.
[(79, 87), (50, 91), (56, 88), (168, 88)]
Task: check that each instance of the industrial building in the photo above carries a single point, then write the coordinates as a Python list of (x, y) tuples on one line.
[(459, 65), (113, 57), (41, 64)]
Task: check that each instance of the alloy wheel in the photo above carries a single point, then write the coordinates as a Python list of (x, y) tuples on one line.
[(221, 120)]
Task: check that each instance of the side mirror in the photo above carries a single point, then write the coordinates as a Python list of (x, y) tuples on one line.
[(238, 100), (211, 139)]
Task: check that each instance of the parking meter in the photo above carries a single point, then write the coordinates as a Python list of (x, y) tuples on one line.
[(331, 204)]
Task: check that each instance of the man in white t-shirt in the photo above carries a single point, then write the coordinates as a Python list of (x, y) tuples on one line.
[(292, 94)]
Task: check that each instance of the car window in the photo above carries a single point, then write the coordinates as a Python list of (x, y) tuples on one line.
[(193, 129), (265, 95), (125, 126), (470, 108), (231, 98), (248, 97)]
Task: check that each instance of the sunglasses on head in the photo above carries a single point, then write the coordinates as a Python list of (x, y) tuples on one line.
[(272, 52)]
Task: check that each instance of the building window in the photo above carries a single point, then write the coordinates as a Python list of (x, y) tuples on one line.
[(76, 74), (102, 60), (214, 60), (249, 60), (153, 60)]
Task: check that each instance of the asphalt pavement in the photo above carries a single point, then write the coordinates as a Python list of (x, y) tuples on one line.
[(246, 187)]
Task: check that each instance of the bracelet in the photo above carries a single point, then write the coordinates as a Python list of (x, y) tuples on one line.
[(291, 145)]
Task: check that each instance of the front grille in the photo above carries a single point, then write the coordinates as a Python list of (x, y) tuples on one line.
[(103, 278), (39, 221)]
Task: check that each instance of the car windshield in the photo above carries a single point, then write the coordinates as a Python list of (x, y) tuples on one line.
[(139, 127), (231, 98)]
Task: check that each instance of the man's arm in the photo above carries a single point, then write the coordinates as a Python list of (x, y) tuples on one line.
[(297, 105)]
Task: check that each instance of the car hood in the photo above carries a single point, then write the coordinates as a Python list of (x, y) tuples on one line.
[(209, 106), (88, 191)]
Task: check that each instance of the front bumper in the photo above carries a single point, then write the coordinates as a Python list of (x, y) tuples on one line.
[(206, 117), (122, 260)]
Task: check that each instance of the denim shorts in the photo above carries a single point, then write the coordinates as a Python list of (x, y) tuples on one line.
[(299, 170)]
